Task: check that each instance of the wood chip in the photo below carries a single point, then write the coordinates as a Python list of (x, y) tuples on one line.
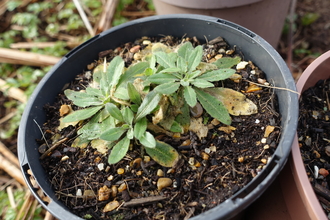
[(146, 200)]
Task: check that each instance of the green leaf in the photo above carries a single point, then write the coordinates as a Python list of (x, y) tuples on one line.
[(164, 154), (133, 94), (201, 83), (93, 92), (114, 111), (140, 127), (119, 151), (121, 93), (147, 140), (217, 75), (149, 103), (113, 134), (176, 127), (184, 118), (160, 78), (182, 64), (185, 50), (164, 59), (167, 88), (127, 115), (195, 57), (132, 72), (227, 62), (82, 99), (170, 70), (130, 134), (115, 70), (189, 95), (82, 114), (213, 106), (193, 74)]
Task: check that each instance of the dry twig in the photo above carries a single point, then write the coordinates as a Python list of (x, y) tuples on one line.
[(107, 15), (12, 92), (84, 17), (26, 58), (11, 169), (8, 154)]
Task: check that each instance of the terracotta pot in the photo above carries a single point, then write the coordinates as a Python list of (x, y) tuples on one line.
[(319, 69), (264, 17)]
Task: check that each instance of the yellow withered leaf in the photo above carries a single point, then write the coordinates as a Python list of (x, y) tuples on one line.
[(235, 102)]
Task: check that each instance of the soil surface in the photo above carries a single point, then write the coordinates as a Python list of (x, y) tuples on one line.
[(314, 139), (210, 170)]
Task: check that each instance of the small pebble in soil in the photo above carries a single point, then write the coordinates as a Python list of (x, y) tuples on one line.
[(120, 171), (104, 193), (111, 206), (324, 172), (163, 182)]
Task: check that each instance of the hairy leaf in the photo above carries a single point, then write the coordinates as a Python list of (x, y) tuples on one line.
[(182, 64), (217, 75), (114, 71), (190, 96), (164, 154), (147, 140), (133, 94), (195, 57), (148, 104), (131, 72), (114, 111), (164, 59), (160, 78), (201, 83), (140, 127), (127, 115), (167, 88), (119, 151), (185, 50), (113, 134), (227, 62), (82, 114), (94, 92), (82, 99), (213, 106)]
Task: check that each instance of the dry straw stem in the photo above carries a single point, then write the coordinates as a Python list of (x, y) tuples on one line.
[(11, 169), (29, 45), (26, 58), (8, 154), (273, 87), (107, 15), (84, 17), (12, 92)]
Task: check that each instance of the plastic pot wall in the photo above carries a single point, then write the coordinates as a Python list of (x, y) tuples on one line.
[(317, 70), (251, 45), (264, 17)]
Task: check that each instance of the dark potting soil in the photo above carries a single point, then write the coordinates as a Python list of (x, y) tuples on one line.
[(210, 170), (314, 139)]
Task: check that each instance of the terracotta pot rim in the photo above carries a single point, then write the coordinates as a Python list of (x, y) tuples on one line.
[(310, 76), (210, 4)]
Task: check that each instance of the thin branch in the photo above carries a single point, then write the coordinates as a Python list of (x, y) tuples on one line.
[(13, 92), (26, 58), (8, 154), (11, 169), (107, 15)]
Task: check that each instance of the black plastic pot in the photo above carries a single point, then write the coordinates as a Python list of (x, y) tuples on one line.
[(251, 45)]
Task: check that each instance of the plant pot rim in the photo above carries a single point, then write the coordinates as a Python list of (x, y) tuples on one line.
[(210, 4), (258, 49), (308, 78)]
